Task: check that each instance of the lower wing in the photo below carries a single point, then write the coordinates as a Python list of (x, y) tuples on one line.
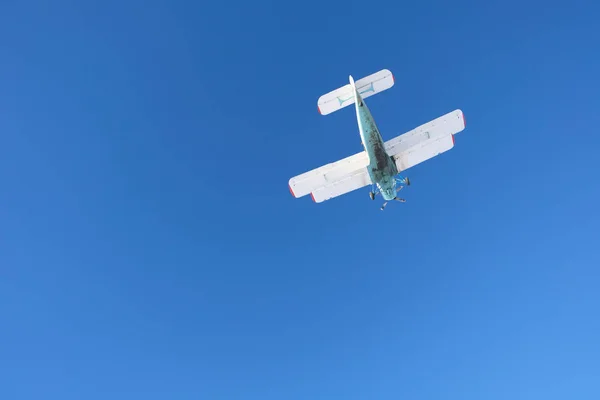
[(425, 141), (345, 185), (333, 179)]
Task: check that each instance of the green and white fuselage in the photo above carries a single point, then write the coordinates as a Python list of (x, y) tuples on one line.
[(382, 168)]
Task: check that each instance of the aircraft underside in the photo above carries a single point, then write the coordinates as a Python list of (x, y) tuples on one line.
[(378, 165), (382, 169)]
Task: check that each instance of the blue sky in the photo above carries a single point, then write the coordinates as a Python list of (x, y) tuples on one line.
[(150, 248)]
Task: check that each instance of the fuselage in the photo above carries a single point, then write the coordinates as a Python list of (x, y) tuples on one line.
[(382, 169)]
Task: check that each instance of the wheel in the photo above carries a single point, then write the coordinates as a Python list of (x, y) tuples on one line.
[(407, 181), (372, 195)]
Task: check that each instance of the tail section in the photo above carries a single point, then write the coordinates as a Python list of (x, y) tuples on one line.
[(366, 87)]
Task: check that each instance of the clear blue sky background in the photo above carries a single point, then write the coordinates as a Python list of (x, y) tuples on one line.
[(150, 248)]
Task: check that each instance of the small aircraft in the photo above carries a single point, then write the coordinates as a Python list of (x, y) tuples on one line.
[(381, 162)]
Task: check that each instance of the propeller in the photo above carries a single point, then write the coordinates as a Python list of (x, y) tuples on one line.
[(397, 199)]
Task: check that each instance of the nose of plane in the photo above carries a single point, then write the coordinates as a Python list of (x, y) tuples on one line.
[(390, 194)]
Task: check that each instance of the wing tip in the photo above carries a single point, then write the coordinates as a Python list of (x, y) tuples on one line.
[(387, 71), (292, 190)]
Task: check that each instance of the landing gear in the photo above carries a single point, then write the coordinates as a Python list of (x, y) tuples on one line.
[(403, 181), (374, 192), (400, 182), (397, 199)]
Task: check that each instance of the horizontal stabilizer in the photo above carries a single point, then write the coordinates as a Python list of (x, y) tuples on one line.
[(367, 87)]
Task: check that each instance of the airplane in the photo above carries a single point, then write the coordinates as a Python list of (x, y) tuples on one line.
[(380, 163)]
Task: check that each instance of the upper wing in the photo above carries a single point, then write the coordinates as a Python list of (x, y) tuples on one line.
[(333, 179), (425, 141)]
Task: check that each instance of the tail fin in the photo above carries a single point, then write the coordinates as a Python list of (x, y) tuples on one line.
[(367, 87)]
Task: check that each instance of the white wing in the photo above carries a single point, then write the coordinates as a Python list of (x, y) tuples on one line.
[(345, 185), (407, 150), (344, 96), (333, 179), (425, 141)]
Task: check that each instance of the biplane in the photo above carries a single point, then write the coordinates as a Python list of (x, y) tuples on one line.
[(381, 164)]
